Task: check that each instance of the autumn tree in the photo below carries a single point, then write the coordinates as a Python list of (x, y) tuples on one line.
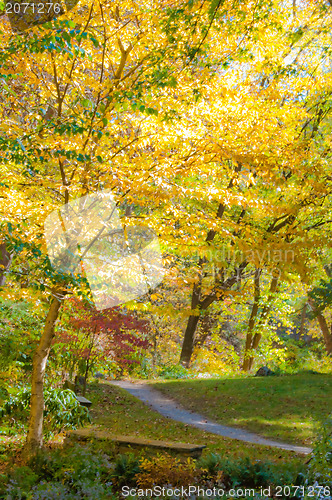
[(265, 190), (86, 100)]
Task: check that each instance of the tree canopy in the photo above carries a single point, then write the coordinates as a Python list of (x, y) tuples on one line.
[(210, 124)]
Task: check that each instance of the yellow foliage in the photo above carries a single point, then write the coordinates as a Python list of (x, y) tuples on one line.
[(165, 469)]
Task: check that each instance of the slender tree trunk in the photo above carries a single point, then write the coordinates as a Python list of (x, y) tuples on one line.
[(35, 432), (252, 321), (247, 348), (255, 339), (5, 261), (86, 376), (326, 332), (202, 305), (255, 343), (303, 314), (188, 341), (154, 349), (327, 335), (155, 337), (189, 334), (264, 315)]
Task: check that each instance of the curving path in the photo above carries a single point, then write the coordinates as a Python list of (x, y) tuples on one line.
[(171, 409)]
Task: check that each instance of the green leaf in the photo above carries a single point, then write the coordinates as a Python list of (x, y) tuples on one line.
[(66, 37), (94, 41), (86, 103), (152, 111)]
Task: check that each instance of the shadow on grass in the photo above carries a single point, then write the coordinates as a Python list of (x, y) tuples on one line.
[(289, 408)]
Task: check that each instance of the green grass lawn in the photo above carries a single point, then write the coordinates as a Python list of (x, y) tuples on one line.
[(120, 413), (287, 408)]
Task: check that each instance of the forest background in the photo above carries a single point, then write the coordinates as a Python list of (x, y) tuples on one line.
[(210, 123)]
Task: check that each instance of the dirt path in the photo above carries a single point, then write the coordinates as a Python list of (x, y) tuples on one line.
[(171, 409)]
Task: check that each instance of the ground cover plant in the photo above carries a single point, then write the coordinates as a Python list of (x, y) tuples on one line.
[(86, 472), (97, 471)]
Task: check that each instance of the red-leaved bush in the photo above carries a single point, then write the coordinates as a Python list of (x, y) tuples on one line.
[(87, 337)]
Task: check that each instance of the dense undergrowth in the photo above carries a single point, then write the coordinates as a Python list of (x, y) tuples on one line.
[(92, 472)]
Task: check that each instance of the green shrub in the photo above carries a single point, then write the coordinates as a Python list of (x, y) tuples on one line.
[(75, 473), (71, 465), (3, 391), (145, 369), (210, 465), (173, 372), (62, 410), (320, 465), (243, 472), (125, 469), (20, 483), (17, 317)]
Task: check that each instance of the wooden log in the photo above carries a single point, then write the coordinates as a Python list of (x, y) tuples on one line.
[(192, 450)]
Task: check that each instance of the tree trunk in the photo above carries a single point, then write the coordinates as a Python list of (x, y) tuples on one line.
[(327, 335), (188, 341), (189, 334), (249, 360), (155, 336), (5, 261), (247, 348), (202, 305), (154, 349), (86, 377), (303, 314), (255, 343), (252, 321), (35, 432)]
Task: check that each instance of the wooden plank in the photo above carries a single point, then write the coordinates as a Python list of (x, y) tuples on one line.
[(193, 450)]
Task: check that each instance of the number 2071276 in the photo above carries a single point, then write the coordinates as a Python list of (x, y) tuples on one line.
[(39, 8)]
